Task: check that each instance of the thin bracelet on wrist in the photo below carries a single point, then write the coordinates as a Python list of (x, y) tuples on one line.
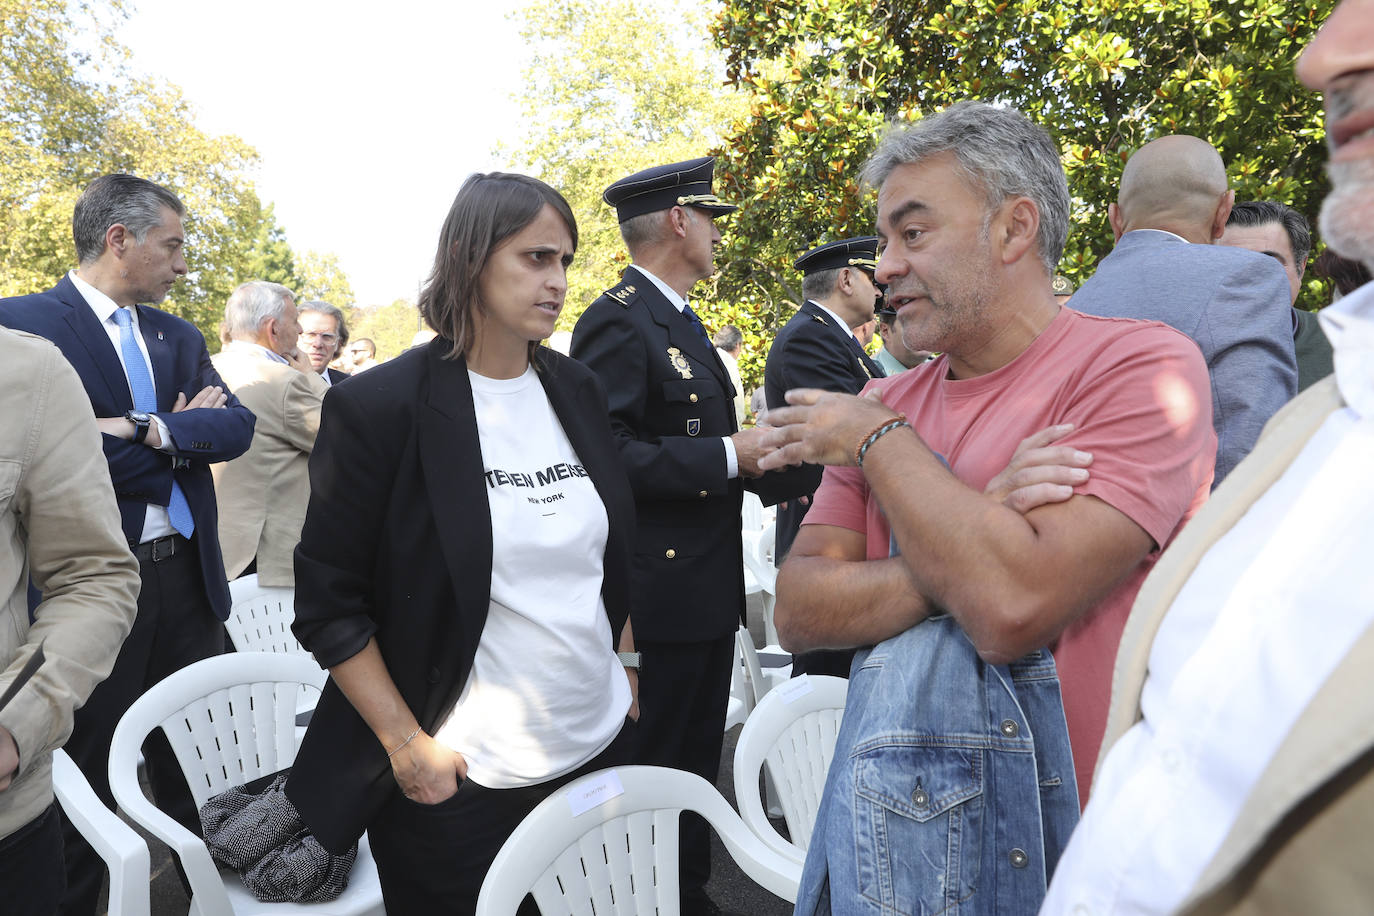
[(881, 430), (409, 738)]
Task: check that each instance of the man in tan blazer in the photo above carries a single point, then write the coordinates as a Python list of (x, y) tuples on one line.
[(1237, 772), (59, 527), (263, 493)]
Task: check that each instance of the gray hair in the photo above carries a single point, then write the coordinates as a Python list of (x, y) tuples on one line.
[(333, 311), (1001, 153), (728, 337), (118, 199), (644, 229), (821, 283), (253, 303), (1262, 212)]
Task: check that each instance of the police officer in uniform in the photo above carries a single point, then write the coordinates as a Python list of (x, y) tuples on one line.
[(672, 411), (817, 349)]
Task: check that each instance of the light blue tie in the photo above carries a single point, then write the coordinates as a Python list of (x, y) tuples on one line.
[(145, 401)]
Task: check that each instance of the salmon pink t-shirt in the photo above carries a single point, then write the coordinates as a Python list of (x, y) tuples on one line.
[(1138, 395)]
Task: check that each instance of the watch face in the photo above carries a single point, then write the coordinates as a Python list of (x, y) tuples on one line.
[(138, 416)]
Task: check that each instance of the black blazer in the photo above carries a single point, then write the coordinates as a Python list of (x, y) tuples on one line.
[(671, 402), (397, 545), (181, 363), (811, 351), (335, 376)]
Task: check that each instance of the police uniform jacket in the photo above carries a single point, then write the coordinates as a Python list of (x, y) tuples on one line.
[(671, 402), (812, 351)]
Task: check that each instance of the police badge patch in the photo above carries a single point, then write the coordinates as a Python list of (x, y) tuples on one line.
[(680, 363), (693, 427)]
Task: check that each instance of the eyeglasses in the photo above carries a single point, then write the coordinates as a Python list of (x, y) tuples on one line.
[(326, 339)]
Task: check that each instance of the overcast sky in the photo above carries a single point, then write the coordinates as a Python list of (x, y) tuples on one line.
[(366, 122)]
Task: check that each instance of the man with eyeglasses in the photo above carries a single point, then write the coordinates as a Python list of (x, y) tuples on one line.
[(324, 334)]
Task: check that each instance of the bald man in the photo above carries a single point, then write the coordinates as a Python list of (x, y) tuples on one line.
[(1172, 206)]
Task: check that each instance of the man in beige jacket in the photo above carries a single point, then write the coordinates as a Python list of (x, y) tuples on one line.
[(59, 525), (1237, 773), (263, 493)]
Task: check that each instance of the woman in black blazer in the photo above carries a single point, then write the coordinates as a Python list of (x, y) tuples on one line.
[(463, 567)]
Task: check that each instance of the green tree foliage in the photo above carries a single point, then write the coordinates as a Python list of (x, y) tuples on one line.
[(390, 327), (1102, 76), (614, 86), (71, 111), (321, 276), (271, 257)]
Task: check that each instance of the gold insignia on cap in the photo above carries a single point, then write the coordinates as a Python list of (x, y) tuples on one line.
[(863, 262), (679, 362)]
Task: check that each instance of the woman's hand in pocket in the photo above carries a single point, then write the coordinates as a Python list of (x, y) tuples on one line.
[(428, 772)]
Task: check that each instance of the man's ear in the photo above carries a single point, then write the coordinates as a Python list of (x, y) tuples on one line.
[(1019, 223), (1117, 221), (678, 218), (117, 238), (1223, 214)]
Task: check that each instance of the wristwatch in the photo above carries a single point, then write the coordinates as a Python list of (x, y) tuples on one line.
[(141, 423), (629, 659)]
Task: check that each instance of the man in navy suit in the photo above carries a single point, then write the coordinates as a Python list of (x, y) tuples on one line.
[(165, 416), (1172, 206)]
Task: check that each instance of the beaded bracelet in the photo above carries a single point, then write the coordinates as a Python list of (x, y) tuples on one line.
[(883, 429), (409, 738)]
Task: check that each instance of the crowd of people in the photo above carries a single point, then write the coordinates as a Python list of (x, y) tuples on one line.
[(1090, 559)]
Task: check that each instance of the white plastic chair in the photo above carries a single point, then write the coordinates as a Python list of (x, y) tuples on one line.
[(124, 851), (260, 617), (760, 679), (758, 564), (620, 856), (792, 733), (230, 719)]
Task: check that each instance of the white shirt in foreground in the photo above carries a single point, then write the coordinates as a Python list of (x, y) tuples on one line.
[(547, 692), (1266, 617)]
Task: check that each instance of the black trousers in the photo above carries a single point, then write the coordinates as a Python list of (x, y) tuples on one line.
[(684, 689), (175, 626), (31, 878), (434, 858)]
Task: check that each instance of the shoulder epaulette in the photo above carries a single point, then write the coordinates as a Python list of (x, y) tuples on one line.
[(622, 292)]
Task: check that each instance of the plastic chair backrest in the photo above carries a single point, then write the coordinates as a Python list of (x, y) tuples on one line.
[(260, 617), (758, 563), (119, 845), (792, 732), (229, 719), (619, 854)]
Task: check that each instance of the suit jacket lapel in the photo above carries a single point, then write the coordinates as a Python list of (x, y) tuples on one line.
[(451, 458), (681, 334), (87, 329)]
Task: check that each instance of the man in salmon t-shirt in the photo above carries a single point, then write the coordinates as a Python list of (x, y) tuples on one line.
[(949, 751)]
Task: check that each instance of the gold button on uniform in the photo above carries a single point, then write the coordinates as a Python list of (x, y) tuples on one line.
[(703, 494), (692, 398), (670, 553)]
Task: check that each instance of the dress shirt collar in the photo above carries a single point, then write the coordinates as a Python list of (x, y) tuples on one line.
[(102, 305), (1171, 235), (248, 345), (1349, 324), (668, 292), (328, 382)]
